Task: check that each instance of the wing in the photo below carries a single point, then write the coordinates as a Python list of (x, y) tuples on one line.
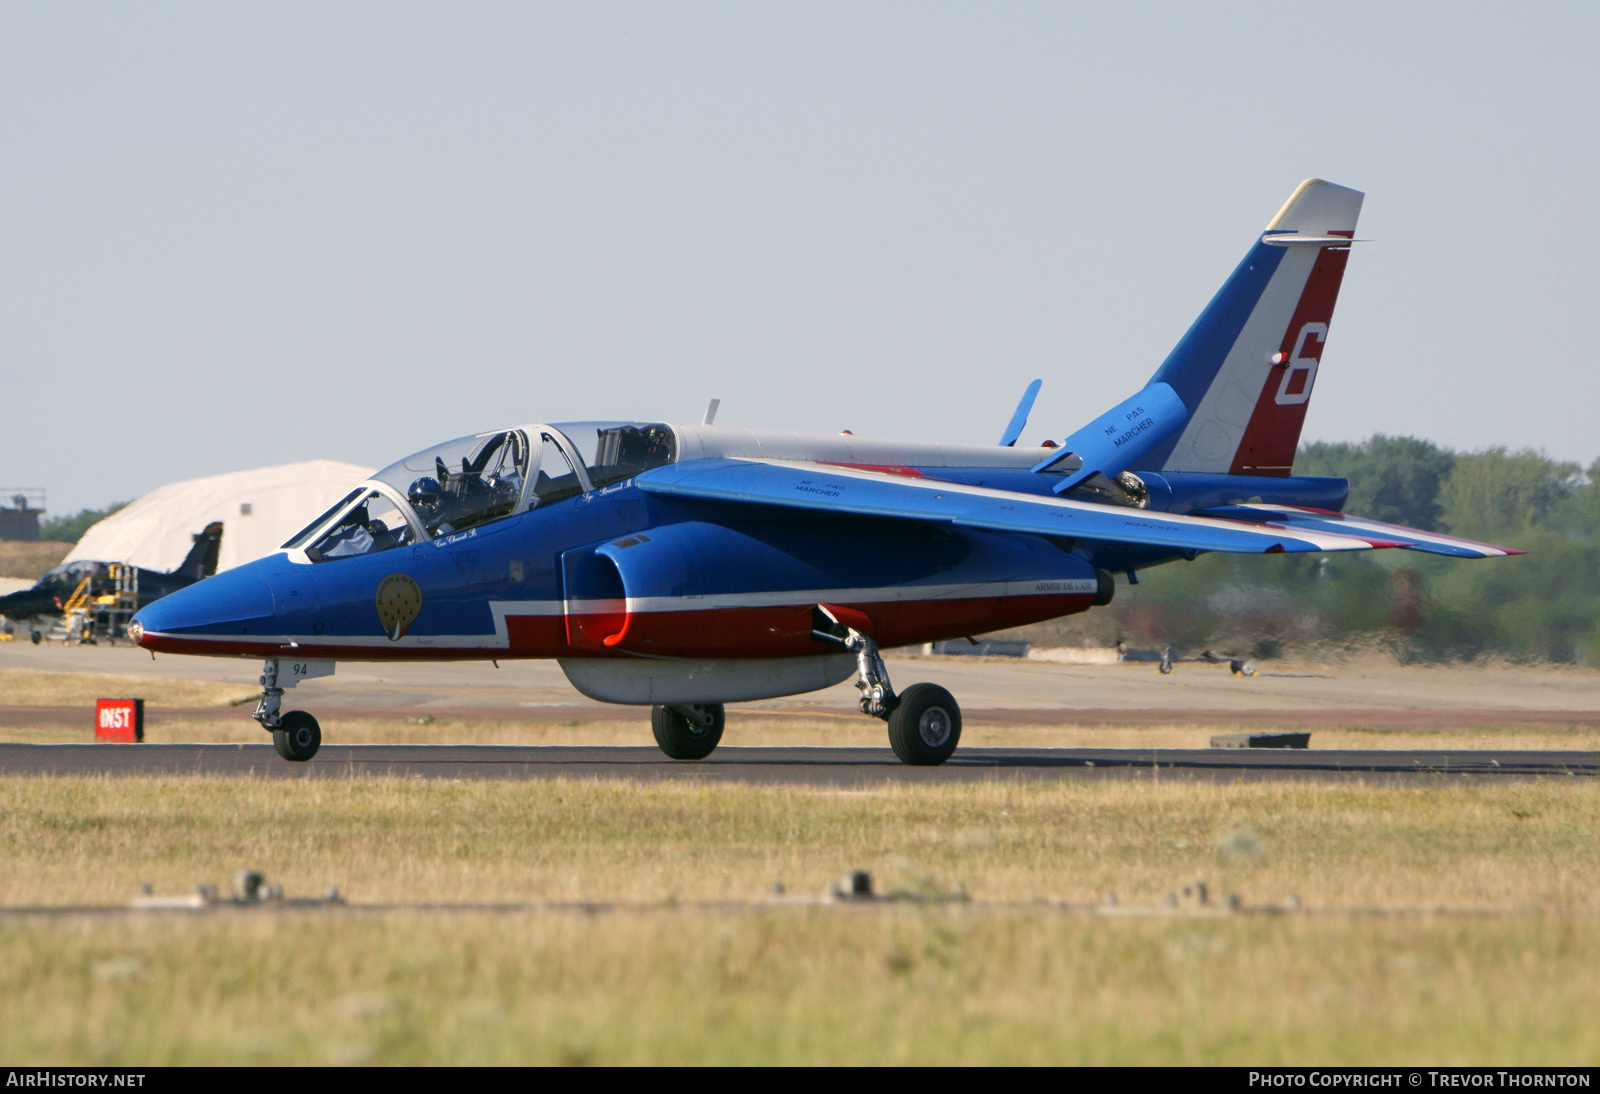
[(833, 489), (1321, 520)]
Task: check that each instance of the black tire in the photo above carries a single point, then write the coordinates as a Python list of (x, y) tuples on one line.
[(297, 737), (925, 726), (681, 737)]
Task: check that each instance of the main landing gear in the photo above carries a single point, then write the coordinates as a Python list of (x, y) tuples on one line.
[(688, 731), (924, 720), (295, 734)]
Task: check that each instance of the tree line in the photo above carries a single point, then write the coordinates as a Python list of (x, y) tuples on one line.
[(1544, 605), (69, 527)]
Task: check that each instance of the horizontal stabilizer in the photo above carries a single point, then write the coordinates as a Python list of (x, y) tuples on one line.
[(845, 490), (1319, 520)]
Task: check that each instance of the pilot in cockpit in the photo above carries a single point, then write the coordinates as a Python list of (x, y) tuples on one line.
[(427, 498), (352, 537), (450, 502), (359, 534)]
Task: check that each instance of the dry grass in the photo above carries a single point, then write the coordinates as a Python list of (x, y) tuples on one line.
[(30, 560), (1494, 844), (29, 687), (940, 984), (798, 986)]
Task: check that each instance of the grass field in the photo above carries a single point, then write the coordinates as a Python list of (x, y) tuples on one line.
[(28, 687), (30, 560), (664, 980), (1493, 845), (900, 985)]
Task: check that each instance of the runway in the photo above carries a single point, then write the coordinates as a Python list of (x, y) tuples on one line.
[(837, 767)]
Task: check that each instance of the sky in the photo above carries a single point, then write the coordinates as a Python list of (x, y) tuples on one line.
[(234, 235)]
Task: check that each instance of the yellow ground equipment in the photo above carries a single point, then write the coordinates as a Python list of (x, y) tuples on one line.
[(100, 608)]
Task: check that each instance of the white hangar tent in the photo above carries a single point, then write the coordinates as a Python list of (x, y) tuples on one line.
[(258, 509)]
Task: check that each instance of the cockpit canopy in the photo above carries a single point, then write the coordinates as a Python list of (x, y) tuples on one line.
[(474, 480), (471, 480)]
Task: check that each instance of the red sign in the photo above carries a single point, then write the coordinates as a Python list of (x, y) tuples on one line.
[(120, 721)]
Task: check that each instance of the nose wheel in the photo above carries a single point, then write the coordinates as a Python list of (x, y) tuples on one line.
[(297, 737)]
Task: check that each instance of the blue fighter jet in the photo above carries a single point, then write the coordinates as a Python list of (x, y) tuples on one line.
[(685, 567)]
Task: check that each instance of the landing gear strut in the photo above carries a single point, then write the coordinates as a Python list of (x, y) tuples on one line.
[(295, 734), (924, 720), (688, 731), (877, 694)]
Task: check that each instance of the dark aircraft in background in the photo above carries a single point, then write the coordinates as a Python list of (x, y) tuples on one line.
[(685, 567), (52, 591)]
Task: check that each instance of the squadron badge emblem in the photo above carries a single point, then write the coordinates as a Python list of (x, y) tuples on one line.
[(398, 601)]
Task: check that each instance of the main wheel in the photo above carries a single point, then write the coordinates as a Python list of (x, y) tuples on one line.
[(297, 737), (684, 738), (925, 726)]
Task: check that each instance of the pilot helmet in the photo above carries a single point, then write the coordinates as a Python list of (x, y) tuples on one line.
[(425, 494)]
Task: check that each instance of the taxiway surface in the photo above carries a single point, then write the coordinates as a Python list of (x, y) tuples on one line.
[(979, 684), (800, 766)]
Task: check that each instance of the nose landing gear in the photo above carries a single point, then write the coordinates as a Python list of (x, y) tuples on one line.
[(295, 735)]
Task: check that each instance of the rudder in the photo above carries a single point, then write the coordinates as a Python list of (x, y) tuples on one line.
[(202, 558)]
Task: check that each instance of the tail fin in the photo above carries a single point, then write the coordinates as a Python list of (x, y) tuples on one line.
[(202, 558), (1246, 367)]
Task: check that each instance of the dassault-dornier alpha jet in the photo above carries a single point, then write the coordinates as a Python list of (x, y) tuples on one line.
[(52, 591), (685, 567)]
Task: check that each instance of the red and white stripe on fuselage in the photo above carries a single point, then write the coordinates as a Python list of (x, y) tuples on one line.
[(741, 625), (779, 624)]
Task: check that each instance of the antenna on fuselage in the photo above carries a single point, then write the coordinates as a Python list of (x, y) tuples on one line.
[(711, 411), (1019, 420)]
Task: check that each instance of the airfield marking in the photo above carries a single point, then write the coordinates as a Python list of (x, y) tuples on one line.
[(853, 766)]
